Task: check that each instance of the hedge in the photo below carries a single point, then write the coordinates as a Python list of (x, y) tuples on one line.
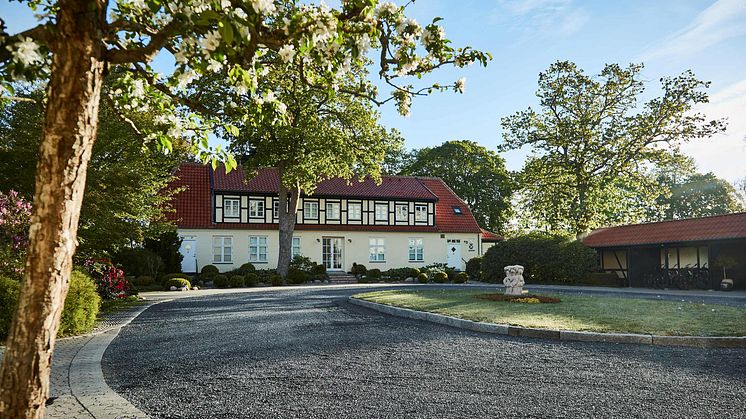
[(461, 278), (544, 257), (474, 268), (251, 279), (209, 271), (177, 282), (9, 289), (81, 305), (296, 276), (220, 281), (440, 277), (236, 281)]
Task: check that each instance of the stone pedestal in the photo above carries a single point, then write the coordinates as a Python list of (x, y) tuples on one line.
[(513, 290)]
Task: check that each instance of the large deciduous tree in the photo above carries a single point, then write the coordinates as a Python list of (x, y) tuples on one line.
[(79, 41), (475, 173), (592, 132)]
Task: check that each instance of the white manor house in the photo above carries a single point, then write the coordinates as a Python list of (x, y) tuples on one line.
[(226, 220)]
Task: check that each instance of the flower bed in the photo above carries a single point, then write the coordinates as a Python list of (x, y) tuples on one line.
[(525, 298)]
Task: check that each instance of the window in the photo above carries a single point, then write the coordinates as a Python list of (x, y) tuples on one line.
[(311, 210), (382, 212), (355, 211), (402, 212), (457, 210), (332, 210), (222, 249), (295, 249), (416, 250), (377, 249), (231, 207), (257, 248), (256, 209), (276, 209), (420, 212)]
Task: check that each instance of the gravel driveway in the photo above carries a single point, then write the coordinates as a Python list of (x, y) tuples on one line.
[(307, 353)]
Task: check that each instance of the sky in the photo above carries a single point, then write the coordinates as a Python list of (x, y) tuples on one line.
[(526, 36)]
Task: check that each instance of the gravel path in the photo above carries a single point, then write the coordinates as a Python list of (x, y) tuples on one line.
[(307, 353)]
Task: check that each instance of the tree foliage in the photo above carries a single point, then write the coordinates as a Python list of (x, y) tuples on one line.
[(592, 133), (476, 174)]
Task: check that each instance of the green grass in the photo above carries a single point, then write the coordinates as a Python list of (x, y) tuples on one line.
[(596, 314)]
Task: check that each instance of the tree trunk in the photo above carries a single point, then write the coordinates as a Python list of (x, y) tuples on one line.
[(70, 125), (287, 226)]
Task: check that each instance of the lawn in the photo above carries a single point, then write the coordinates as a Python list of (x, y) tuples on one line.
[(596, 314)]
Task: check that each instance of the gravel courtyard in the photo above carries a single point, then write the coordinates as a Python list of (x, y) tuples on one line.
[(308, 353)]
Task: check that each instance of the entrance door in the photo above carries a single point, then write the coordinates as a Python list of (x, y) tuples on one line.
[(331, 253), (188, 250), (454, 254)]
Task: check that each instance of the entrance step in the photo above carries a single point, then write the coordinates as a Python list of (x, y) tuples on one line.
[(342, 278)]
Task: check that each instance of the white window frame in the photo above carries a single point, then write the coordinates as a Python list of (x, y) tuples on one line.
[(276, 209), (256, 208), (420, 212), (416, 250), (403, 216), (376, 249), (330, 209), (256, 245), (234, 206), (295, 249), (356, 215), (310, 207), (219, 246), (386, 214)]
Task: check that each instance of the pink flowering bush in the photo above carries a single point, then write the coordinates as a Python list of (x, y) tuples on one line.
[(15, 213), (109, 279)]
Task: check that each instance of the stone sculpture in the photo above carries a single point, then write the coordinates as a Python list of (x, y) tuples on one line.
[(513, 280)]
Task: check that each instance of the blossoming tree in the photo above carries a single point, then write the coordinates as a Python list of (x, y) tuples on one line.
[(78, 42)]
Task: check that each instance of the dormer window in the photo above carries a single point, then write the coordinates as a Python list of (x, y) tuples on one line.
[(231, 207), (457, 210)]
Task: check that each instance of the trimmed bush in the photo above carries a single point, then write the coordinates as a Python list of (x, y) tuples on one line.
[(178, 283), (236, 281), (9, 289), (302, 263), (81, 305), (474, 268), (251, 279), (220, 281), (422, 278), (319, 277), (413, 273), (461, 278), (374, 273), (318, 269), (296, 276), (139, 262), (209, 271), (143, 281), (166, 277), (358, 270), (440, 277), (276, 280), (247, 268), (545, 257)]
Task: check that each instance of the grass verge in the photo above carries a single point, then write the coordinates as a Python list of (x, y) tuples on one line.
[(108, 306), (582, 313)]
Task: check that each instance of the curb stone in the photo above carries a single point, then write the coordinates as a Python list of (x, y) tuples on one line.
[(561, 335)]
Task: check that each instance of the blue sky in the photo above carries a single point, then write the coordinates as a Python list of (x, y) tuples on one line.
[(526, 36)]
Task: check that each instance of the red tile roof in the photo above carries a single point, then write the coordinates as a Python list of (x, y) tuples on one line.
[(490, 237), (193, 206), (718, 227), (267, 181)]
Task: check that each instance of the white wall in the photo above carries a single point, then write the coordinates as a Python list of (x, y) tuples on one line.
[(356, 247)]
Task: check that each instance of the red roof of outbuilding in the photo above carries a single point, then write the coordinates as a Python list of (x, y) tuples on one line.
[(193, 206), (717, 227), (490, 237)]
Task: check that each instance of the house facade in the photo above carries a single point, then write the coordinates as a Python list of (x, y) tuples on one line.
[(702, 246), (227, 220)]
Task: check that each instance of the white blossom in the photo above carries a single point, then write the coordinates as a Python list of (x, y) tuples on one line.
[(461, 84), (225, 4), (214, 66), (287, 52), (386, 8), (363, 43), (26, 51), (138, 89), (263, 7), (211, 41), (186, 78)]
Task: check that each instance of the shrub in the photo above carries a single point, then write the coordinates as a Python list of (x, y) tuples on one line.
[(143, 281), (209, 270), (220, 281), (166, 246), (474, 268), (110, 280), (251, 279), (236, 281), (545, 257), (451, 272), (276, 280), (302, 263), (400, 274), (413, 272), (440, 277), (140, 262), (319, 277), (374, 273), (461, 277), (9, 289), (175, 275), (318, 269), (14, 226), (422, 278), (247, 268), (433, 267), (358, 270), (296, 276), (81, 305), (265, 275), (178, 283)]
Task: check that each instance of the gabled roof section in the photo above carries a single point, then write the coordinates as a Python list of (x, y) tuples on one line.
[(717, 227), (490, 237), (445, 218), (266, 181), (193, 205)]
